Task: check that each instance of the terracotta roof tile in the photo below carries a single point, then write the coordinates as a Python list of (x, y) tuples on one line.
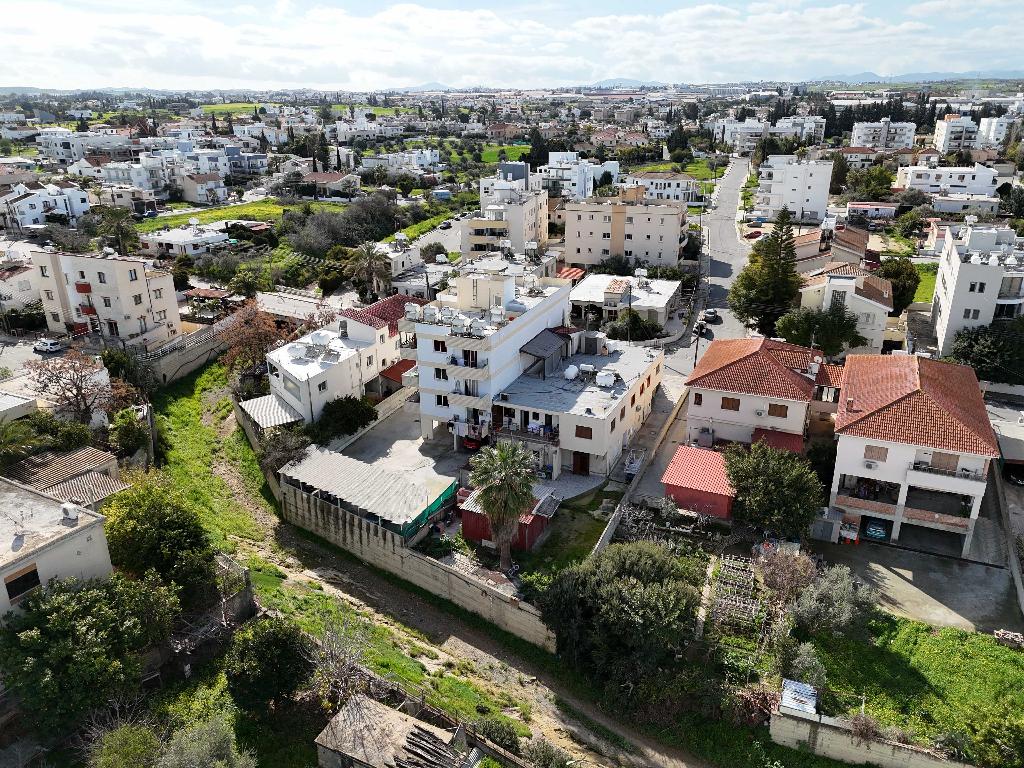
[(700, 469), (829, 375), (917, 401), (755, 367), (386, 312), (394, 372), (783, 441)]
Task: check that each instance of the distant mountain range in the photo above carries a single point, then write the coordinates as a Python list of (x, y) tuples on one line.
[(918, 77), (626, 82), (426, 87)]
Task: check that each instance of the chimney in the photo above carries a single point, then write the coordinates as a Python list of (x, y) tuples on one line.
[(849, 404)]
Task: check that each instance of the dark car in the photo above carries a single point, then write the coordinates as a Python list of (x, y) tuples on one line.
[(1014, 474), (445, 225)]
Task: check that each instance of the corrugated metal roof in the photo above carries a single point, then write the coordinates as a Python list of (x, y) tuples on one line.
[(48, 469), (87, 489), (270, 411), (544, 344), (799, 696)]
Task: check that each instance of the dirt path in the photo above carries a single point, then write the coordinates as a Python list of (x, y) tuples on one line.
[(493, 667)]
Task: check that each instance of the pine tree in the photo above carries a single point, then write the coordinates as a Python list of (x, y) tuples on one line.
[(769, 286)]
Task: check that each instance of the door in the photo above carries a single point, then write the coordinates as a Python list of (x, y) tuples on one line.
[(580, 463)]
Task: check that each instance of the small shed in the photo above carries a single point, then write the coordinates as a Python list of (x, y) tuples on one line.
[(696, 480), (533, 522)]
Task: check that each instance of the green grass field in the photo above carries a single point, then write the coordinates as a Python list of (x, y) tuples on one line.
[(926, 288), (514, 151), (699, 169), (421, 228), (261, 210), (230, 108)]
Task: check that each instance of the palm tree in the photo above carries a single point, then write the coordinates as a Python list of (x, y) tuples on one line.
[(17, 440), (119, 229), (504, 476), (370, 264)]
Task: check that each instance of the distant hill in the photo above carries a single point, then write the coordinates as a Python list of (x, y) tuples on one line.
[(426, 87), (626, 82), (918, 77)]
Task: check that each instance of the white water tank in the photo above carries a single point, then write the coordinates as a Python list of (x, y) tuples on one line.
[(430, 313), (321, 338), (412, 311), (571, 372), (497, 314), (459, 324), (477, 326), (605, 379), (296, 350), (587, 368)]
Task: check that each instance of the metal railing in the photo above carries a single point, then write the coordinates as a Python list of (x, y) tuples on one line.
[(549, 436), (965, 474)]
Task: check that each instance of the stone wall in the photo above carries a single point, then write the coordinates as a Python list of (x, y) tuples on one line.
[(830, 737), (387, 550)]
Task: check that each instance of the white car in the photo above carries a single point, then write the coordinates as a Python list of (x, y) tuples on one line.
[(47, 345)]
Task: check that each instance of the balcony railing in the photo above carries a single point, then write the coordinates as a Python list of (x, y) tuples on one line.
[(866, 505), (88, 309), (965, 474), (462, 362), (547, 435), (83, 286), (935, 518)]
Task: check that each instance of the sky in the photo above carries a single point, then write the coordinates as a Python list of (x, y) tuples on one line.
[(344, 45)]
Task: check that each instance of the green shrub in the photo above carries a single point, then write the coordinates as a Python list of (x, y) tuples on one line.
[(267, 662), (130, 746), (340, 417), (499, 731)]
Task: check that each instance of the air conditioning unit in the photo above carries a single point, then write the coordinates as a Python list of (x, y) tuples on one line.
[(759, 413), (870, 464)]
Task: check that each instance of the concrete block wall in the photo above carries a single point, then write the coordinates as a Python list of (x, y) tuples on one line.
[(830, 737), (388, 551)]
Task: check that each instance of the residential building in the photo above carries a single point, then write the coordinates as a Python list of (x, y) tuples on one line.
[(570, 176), (960, 202), (646, 233), (42, 539), (872, 211), (64, 147), (857, 157), (800, 186), (185, 240), (809, 129), (136, 199), (608, 295), (992, 131), (121, 298), (981, 279), (914, 449), (468, 344), (511, 219), (204, 188), (31, 203), (744, 390), (864, 294), (415, 159), (86, 476), (18, 285), (665, 185), (741, 136), (977, 180), (883, 134), (333, 183), (954, 133)]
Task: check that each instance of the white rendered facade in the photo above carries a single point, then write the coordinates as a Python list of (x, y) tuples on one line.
[(665, 185), (979, 180), (954, 133), (570, 176), (871, 307), (31, 203), (992, 131), (802, 187), (884, 134), (508, 214)]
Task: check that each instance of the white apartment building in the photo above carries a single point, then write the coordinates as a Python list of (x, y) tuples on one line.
[(741, 136), (979, 180), (958, 202), (601, 227), (185, 240), (665, 185), (274, 135), (511, 218), (914, 449), (18, 285), (126, 196), (344, 359), (204, 188), (867, 296), (468, 344), (579, 402), (608, 295), (992, 131), (31, 203), (42, 539), (800, 186), (806, 128), (121, 298), (570, 176), (981, 279), (419, 159), (954, 133), (884, 134), (63, 146)]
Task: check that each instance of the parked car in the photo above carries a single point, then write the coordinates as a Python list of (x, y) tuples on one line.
[(445, 225), (1014, 474), (877, 531), (47, 345), (710, 315)]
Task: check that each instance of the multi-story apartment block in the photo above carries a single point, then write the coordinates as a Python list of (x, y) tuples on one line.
[(744, 390), (511, 218), (121, 298), (741, 136), (867, 296), (914, 448), (127, 196), (570, 176), (18, 285), (665, 185), (31, 203), (979, 180), (468, 344), (981, 279), (341, 360), (63, 146), (800, 186), (954, 133), (646, 233), (204, 188), (806, 128), (992, 131), (419, 159), (884, 134)]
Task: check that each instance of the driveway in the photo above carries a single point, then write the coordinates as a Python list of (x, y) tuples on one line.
[(942, 591)]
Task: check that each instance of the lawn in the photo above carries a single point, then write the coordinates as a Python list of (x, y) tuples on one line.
[(231, 108), (574, 532), (260, 210), (922, 679), (513, 151), (421, 228), (747, 192), (699, 169), (926, 288)]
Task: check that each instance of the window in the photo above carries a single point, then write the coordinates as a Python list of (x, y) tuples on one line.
[(698, 398), (632, 399), (49, 295), (641, 389), (137, 299), (440, 346), (730, 403), (321, 387), (101, 276), (382, 338), (613, 425), (55, 316), (584, 433), (441, 400), (20, 583), (779, 411), (369, 360), (158, 293), (876, 453), (622, 412), (838, 298), (133, 275), (44, 271), (106, 301), (441, 373), (161, 315)]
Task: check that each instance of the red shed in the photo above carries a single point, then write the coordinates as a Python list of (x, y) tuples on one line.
[(696, 480), (533, 522)]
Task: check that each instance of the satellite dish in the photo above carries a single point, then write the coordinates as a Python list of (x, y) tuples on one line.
[(817, 358), (193, 221)]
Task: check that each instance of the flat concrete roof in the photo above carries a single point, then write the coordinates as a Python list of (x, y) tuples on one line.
[(29, 520), (320, 350), (645, 294)]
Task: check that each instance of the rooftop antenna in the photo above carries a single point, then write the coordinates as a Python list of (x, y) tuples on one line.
[(18, 518)]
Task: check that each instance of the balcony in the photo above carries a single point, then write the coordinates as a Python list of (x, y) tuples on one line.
[(963, 473), (546, 435), (874, 508), (466, 363), (961, 481), (83, 286), (88, 309), (480, 402)]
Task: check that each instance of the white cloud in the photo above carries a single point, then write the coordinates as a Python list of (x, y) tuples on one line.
[(280, 43)]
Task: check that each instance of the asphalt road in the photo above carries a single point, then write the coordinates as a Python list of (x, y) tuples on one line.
[(728, 256)]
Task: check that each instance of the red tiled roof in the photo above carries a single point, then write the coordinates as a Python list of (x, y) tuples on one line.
[(829, 375), (854, 239), (871, 287), (917, 401), (324, 177), (207, 293), (570, 273), (386, 312), (699, 469), (784, 441), (755, 367), (394, 372)]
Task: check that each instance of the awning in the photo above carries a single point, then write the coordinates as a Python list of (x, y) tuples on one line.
[(270, 411), (784, 441), (570, 273)]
